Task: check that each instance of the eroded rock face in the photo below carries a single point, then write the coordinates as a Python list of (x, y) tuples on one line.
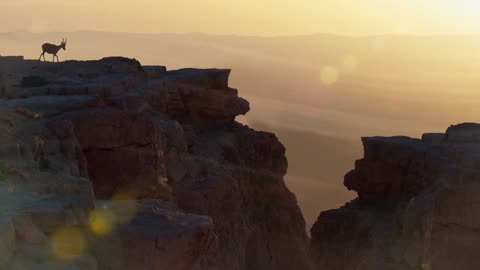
[(123, 151), (197, 105), (210, 192), (236, 177), (416, 206), (160, 236)]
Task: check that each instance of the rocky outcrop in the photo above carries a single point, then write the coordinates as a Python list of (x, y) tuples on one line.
[(158, 236), (140, 168), (245, 190), (416, 206)]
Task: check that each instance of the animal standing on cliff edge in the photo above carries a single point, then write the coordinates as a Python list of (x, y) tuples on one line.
[(53, 49)]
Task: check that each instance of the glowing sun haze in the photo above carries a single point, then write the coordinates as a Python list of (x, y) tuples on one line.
[(244, 17)]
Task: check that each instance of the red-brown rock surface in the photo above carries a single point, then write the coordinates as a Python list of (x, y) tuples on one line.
[(210, 191), (159, 237), (236, 176), (416, 206)]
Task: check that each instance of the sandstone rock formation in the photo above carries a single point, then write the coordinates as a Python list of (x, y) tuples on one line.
[(142, 167), (416, 207)]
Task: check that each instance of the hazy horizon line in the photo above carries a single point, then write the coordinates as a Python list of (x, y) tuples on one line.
[(248, 36)]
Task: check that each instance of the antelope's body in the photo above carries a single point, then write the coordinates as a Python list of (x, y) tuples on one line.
[(52, 49)]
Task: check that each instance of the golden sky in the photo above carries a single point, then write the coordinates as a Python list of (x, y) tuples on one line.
[(244, 17)]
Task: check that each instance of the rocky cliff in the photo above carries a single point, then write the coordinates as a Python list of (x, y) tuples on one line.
[(113, 165), (417, 206)]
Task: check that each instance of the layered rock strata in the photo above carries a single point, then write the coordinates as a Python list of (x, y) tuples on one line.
[(416, 206), (144, 168)]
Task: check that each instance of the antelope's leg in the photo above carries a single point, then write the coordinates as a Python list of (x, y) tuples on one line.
[(42, 54)]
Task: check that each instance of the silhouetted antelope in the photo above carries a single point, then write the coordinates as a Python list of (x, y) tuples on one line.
[(53, 49)]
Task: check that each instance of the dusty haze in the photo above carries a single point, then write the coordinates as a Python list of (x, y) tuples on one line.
[(247, 17), (318, 93)]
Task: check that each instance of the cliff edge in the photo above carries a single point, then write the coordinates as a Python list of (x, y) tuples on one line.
[(113, 165), (417, 206)]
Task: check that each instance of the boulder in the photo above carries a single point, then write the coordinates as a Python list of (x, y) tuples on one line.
[(159, 237)]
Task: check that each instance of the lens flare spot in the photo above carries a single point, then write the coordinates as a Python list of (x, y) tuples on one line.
[(329, 75), (350, 63), (68, 243), (101, 221)]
